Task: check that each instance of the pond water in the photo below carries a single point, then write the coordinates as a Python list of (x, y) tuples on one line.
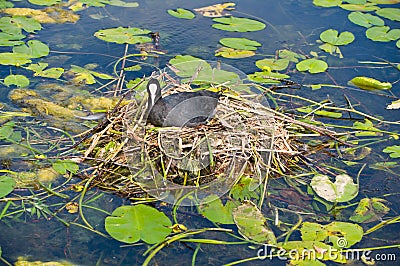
[(290, 24)]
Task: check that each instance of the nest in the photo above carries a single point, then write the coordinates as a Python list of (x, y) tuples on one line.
[(240, 139)]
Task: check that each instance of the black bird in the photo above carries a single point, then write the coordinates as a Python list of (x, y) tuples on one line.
[(179, 109)]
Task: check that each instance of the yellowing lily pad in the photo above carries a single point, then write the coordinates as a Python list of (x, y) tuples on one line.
[(215, 11), (240, 43), (181, 13), (47, 15), (238, 24), (124, 35), (367, 83), (233, 53), (342, 190)]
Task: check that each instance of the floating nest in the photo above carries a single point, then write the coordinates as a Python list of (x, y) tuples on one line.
[(243, 138)]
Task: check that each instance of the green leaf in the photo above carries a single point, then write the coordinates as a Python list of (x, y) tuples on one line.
[(7, 185), (213, 209), (370, 210), (14, 59), (367, 127), (238, 24), (40, 70), (17, 80), (332, 36), (181, 13), (291, 56), (5, 4), (241, 191), (367, 83), (389, 13), (44, 2), (327, 3), (123, 4), (312, 65), (240, 43), (34, 49), (122, 35), (252, 224), (334, 232), (267, 77), (233, 53), (269, 64), (343, 190), (382, 34), (62, 166), (365, 20), (393, 150), (365, 7), (30, 25), (130, 224), (6, 130)]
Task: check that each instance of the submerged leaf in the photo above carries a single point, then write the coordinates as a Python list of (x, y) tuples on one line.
[(238, 24), (252, 223), (240, 43), (130, 224), (181, 13), (370, 210), (312, 65), (367, 83)]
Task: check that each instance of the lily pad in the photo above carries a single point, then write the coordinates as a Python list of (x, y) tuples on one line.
[(370, 210), (327, 3), (181, 13), (389, 13), (394, 105), (122, 35), (34, 49), (130, 224), (333, 37), (240, 43), (17, 80), (342, 190), (14, 59), (233, 53), (30, 25), (382, 34), (252, 223), (269, 64), (365, 20), (393, 150), (41, 71), (312, 65), (267, 77), (213, 209), (357, 7), (340, 234), (238, 24), (290, 55), (367, 83), (44, 2), (7, 185), (216, 11), (62, 166)]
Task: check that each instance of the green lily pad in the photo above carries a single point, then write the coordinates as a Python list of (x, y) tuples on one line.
[(41, 71), (382, 34), (393, 150), (370, 210), (30, 25), (241, 190), (34, 49), (62, 166), (17, 80), (14, 59), (340, 234), (123, 4), (398, 46), (233, 53), (122, 35), (213, 209), (252, 223), (367, 128), (365, 20), (367, 83), (44, 2), (344, 189), (327, 3), (356, 7), (267, 77), (181, 13), (7, 185), (240, 43), (312, 65), (389, 13), (130, 224), (333, 37), (290, 55), (269, 64), (238, 24)]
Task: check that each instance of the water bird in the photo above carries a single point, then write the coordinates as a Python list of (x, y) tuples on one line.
[(179, 109)]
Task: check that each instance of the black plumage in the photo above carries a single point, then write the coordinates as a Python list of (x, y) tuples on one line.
[(179, 109)]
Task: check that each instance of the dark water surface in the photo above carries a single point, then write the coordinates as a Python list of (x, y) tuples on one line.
[(291, 24)]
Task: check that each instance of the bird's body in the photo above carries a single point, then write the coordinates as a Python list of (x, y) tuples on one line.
[(180, 109)]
